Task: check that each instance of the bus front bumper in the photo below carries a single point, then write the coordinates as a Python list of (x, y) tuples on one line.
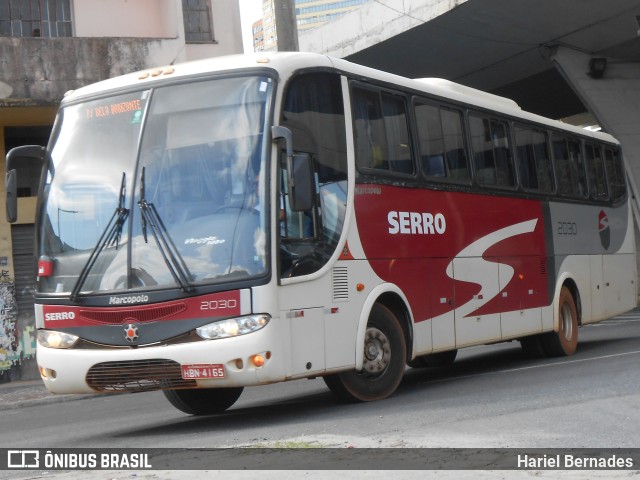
[(252, 359)]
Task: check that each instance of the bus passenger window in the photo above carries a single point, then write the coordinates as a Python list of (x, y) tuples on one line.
[(382, 132), (595, 170), (491, 152), (569, 167), (533, 160), (615, 173), (441, 140)]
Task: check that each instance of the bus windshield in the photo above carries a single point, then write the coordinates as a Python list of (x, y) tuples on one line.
[(160, 188)]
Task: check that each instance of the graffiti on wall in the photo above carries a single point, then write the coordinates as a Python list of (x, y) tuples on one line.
[(16, 343), (8, 326)]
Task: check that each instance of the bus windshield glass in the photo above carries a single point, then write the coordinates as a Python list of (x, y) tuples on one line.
[(157, 189)]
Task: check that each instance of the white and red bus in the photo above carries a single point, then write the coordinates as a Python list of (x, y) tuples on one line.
[(254, 219)]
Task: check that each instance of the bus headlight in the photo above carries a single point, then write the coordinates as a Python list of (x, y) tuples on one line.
[(53, 339), (232, 327)]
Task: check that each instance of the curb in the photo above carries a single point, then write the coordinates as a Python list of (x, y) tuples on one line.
[(31, 393)]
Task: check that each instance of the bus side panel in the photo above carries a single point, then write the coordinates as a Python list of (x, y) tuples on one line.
[(620, 282), (620, 270), (460, 258), (434, 327), (527, 319), (594, 247)]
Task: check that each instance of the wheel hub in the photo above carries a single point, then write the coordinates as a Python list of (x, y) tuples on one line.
[(567, 321), (377, 352)]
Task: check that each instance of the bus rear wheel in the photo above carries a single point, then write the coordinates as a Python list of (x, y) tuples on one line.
[(565, 341), (204, 401), (385, 354)]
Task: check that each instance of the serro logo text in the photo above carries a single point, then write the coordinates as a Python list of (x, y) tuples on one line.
[(51, 316)]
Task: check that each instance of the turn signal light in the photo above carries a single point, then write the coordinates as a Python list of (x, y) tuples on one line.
[(257, 360)]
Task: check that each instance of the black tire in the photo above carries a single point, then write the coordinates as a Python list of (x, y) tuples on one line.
[(439, 359), (565, 341), (532, 346), (384, 361), (203, 401)]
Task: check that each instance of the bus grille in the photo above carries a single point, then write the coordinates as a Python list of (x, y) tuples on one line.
[(133, 314), (137, 376)]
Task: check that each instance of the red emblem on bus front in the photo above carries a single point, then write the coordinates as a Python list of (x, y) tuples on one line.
[(131, 333)]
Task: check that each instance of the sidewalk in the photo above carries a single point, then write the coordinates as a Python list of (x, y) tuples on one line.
[(24, 393)]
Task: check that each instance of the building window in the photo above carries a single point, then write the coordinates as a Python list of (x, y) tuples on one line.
[(35, 18), (197, 21), (29, 170)]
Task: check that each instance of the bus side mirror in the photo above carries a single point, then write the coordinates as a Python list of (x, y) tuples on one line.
[(14, 157), (302, 191), (300, 172), (11, 185)]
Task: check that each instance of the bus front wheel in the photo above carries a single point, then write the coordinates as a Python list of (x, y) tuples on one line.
[(565, 341), (385, 354), (205, 401)]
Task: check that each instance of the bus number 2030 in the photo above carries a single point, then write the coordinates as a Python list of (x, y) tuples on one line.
[(218, 304)]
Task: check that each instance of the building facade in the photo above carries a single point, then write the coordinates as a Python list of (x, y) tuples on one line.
[(309, 14), (48, 47)]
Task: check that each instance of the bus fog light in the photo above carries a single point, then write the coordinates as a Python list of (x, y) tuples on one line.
[(48, 373), (232, 327), (53, 339)]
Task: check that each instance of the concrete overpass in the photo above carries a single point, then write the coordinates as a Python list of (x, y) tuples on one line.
[(537, 52)]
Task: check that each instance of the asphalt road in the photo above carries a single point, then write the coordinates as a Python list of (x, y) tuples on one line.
[(492, 396)]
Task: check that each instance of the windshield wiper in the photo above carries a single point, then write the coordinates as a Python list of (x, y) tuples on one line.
[(110, 237), (170, 254)]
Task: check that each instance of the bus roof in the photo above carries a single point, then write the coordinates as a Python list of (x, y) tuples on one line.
[(287, 63), (457, 87)]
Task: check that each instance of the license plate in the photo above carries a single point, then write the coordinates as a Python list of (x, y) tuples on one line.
[(203, 370)]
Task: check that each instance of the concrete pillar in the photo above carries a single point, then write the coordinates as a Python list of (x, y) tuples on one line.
[(286, 26), (613, 99)]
